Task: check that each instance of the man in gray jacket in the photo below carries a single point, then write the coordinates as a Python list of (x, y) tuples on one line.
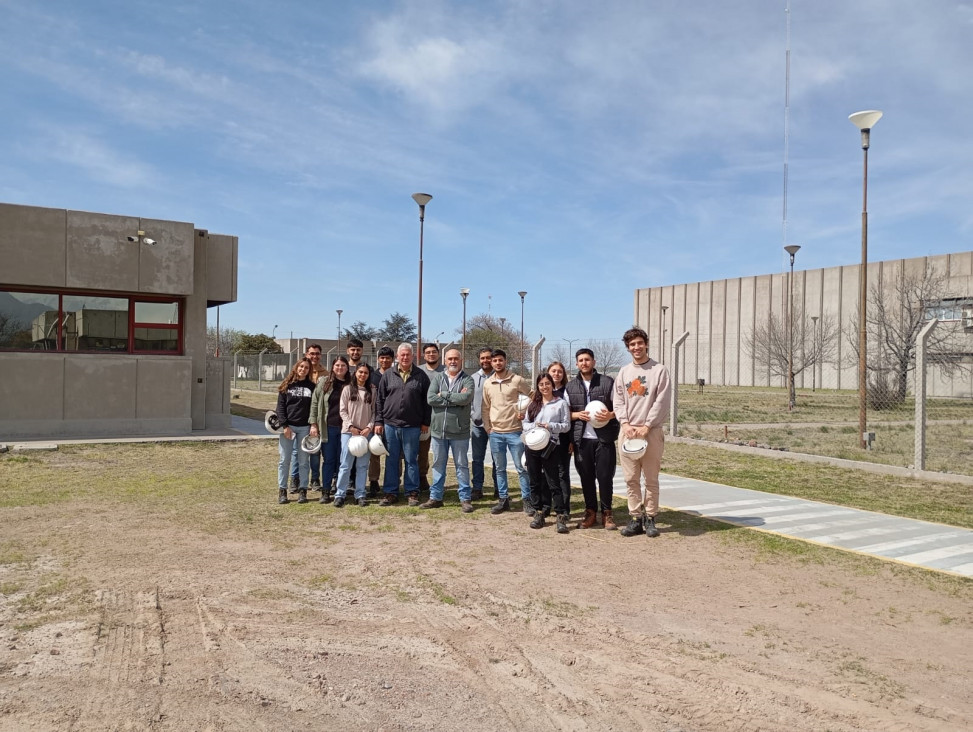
[(450, 397)]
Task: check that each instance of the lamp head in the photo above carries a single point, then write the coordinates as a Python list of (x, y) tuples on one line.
[(464, 291), (865, 121), (523, 294), (792, 250), (421, 198)]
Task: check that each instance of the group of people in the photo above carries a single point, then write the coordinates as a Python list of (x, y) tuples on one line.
[(408, 410)]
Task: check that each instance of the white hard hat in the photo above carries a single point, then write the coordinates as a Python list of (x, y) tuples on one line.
[(523, 458), (311, 444), (272, 423), (537, 438), (358, 446), (592, 409), (376, 446), (523, 401), (634, 448)]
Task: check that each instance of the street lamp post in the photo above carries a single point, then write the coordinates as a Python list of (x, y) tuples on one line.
[(662, 335), (339, 329), (422, 199), (503, 333), (273, 333), (814, 350), (791, 249), (570, 342), (864, 121), (523, 371), (464, 292)]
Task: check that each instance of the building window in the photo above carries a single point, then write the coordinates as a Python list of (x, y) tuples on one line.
[(31, 321)]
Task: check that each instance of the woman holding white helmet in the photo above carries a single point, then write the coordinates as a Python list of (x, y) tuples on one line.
[(293, 409), (325, 420), (547, 419), (357, 408)]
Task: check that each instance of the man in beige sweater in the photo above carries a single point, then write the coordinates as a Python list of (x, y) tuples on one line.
[(642, 396), (502, 421)]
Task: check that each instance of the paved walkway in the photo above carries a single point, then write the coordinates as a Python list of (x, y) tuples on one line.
[(909, 541)]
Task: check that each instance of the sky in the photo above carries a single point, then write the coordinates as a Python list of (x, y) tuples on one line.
[(577, 151)]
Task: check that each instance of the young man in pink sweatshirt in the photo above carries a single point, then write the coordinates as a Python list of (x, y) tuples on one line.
[(642, 397)]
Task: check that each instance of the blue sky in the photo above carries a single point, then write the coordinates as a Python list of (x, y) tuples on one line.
[(574, 150)]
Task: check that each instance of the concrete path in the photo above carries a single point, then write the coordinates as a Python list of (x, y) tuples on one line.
[(909, 541)]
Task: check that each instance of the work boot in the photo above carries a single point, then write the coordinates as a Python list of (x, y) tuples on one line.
[(590, 518), (282, 496), (324, 498), (362, 502), (295, 483), (562, 523), (633, 528), (389, 499), (339, 501), (648, 525), (538, 522), (413, 500), (466, 507), (502, 506), (608, 520), (431, 503), (315, 484), (477, 495), (373, 489), (302, 495), (529, 509)]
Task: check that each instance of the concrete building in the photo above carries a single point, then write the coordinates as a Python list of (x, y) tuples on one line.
[(103, 324), (720, 314)]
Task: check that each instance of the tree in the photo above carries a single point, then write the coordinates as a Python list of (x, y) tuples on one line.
[(360, 330), (609, 355), (256, 342), (769, 344), (486, 331), (896, 311), (229, 339), (397, 328)]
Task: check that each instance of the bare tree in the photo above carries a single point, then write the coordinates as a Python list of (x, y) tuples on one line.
[(897, 311), (486, 331), (609, 354), (814, 344), (229, 339)]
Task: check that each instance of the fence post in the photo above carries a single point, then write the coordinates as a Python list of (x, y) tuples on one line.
[(535, 359), (260, 370), (674, 380), (920, 428), (236, 368)]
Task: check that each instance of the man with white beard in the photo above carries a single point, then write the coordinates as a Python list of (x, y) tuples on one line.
[(451, 397)]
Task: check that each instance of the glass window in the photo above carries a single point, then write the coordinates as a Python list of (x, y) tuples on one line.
[(95, 323), (156, 339), (28, 321), (157, 312)]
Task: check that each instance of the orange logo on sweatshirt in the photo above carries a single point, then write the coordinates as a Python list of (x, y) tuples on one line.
[(636, 387)]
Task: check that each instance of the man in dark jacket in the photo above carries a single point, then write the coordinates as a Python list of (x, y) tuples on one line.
[(402, 412), (594, 447)]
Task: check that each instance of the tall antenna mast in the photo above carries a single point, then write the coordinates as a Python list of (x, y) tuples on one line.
[(787, 127)]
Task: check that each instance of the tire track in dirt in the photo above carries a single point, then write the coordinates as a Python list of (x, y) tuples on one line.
[(126, 673)]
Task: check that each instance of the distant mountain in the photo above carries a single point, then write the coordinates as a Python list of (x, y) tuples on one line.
[(17, 310)]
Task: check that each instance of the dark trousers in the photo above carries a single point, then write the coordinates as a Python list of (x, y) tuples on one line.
[(595, 460), (543, 474), (563, 483)]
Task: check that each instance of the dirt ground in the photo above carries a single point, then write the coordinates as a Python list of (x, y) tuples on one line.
[(127, 616)]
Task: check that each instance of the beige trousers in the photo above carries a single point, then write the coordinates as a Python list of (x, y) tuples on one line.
[(648, 466)]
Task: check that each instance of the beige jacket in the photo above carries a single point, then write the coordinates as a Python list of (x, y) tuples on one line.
[(499, 407)]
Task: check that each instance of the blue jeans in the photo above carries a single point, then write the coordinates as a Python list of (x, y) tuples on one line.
[(479, 439), (500, 443), (402, 441), (330, 452), (344, 472), (441, 447), (314, 461), (286, 448)]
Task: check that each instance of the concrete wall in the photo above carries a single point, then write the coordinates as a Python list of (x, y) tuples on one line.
[(50, 394), (720, 314)]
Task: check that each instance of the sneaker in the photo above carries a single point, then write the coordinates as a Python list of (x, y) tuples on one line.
[(413, 500), (590, 518), (529, 509), (633, 528), (362, 502), (466, 507), (302, 495), (648, 525), (502, 506), (282, 496), (562, 523), (315, 484), (339, 501), (477, 495), (608, 520), (538, 522), (431, 503), (389, 499)]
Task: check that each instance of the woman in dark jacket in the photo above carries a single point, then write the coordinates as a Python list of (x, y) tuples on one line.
[(559, 374), (293, 410)]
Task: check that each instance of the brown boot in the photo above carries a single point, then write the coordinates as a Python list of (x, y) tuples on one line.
[(608, 521), (590, 519)]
